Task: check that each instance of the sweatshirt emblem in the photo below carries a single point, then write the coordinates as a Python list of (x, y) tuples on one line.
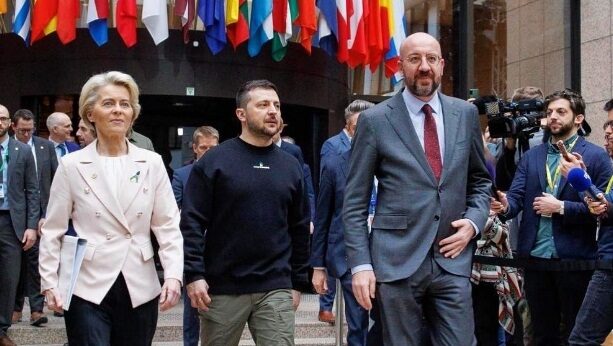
[(261, 166)]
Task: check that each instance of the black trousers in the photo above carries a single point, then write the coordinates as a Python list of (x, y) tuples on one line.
[(10, 261), (113, 322), (29, 282), (554, 298)]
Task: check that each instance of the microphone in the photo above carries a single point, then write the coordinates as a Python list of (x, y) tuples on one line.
[(581, 181)]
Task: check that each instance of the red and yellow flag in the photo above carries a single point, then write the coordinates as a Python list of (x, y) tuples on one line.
[(44, 18)]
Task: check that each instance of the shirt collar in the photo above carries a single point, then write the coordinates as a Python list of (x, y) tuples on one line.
[(414, 104), (347, 134), (5, 143)]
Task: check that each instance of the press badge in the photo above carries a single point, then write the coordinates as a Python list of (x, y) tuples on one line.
[(1, 190)]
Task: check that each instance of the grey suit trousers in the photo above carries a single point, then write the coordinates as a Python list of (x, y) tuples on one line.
[(444, 299), (10, 266)]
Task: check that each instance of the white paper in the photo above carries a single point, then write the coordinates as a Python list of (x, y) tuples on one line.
[(71, 257)]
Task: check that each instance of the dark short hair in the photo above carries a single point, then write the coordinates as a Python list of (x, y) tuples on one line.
[(527, 93), (242, 95), (577, 104), (22, 114), (608, 106)]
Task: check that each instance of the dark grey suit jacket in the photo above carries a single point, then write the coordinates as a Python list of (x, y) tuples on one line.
[(414, 212), (46, 165), (23, 195)]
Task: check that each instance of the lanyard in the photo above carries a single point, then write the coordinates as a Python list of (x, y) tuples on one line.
[(609, 185), (5, 158), (556, 175)]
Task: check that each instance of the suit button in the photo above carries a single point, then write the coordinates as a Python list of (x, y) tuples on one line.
[(436, 217), (128, 236), (108, 236), (440, 190)]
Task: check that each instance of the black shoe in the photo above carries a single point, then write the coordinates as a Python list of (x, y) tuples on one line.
[(58, 314)]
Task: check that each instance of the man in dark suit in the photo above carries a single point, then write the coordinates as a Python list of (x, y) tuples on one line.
[(432, 200), (328, 256), (203, 139), (556, 224), (46, 163), (19, 215), (60, 129), (341, 142)]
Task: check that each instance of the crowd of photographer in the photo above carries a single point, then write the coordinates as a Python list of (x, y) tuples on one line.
[(548, 208)]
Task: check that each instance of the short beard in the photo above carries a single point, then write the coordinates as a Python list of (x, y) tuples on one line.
[(563, 131), (261, 131), (424, 91)]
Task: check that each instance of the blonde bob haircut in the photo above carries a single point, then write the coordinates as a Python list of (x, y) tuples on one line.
[(89, 92)]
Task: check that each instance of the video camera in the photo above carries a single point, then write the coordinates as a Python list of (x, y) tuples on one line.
[(511, 119)]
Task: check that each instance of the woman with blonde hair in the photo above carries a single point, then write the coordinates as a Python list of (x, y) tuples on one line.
[(115, 194)]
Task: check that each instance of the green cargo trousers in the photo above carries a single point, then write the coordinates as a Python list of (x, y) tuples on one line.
[(269, 315)]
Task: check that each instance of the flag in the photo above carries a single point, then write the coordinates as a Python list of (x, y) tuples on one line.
[(238, 31), (357, 45), (397, 35), (97, 14), (126, 21), (212, 14), (282, 28), (377, 32), (3, 7), (21, 20), (186, 9), (307, 20), (343, 11), (327, 26), (67, 20), (44, 20), (260, 30), (155, 18)]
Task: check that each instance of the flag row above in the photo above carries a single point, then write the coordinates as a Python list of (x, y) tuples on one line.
[(357, 32)]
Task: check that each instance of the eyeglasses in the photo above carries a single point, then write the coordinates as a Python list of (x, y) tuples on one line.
[(416, 59), (5, 120), (24, 131)]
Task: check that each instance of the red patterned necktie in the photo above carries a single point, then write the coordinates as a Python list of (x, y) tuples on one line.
[(432, 149)]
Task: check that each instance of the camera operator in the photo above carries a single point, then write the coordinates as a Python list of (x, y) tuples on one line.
[(507, 163), (556, 232)]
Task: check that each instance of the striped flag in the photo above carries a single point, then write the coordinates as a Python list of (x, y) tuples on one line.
[(357, 45), (260, 30), (397, 35), (212, 14), (44, 18), (126, 21), (327, 26), (343, 10), (21, 20), (67, 20), (97, 14), (155, 18), (282, 28), (186, 9), (238, 31)]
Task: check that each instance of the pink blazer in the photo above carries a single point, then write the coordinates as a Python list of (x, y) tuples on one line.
[(117, 229)]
